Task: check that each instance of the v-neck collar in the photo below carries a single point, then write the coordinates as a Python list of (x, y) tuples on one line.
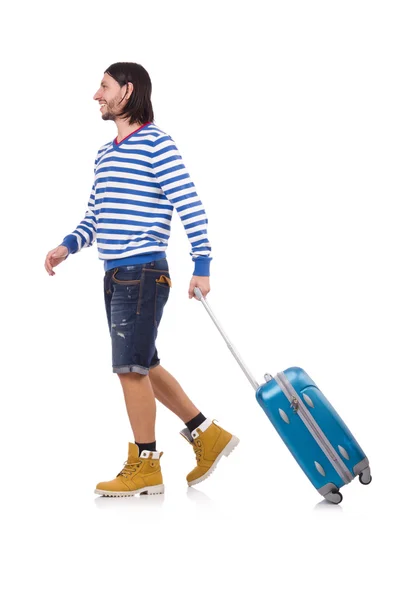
[(116, 144)]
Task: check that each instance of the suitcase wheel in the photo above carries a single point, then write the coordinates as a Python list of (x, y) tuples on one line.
[(365, 477), (335, 497)]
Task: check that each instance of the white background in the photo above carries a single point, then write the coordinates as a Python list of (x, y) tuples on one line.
[(285, 115)]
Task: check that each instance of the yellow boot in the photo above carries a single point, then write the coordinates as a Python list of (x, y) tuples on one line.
[(210, 442), (140, 475)]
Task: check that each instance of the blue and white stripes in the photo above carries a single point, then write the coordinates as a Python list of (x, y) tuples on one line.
[(138, 182)]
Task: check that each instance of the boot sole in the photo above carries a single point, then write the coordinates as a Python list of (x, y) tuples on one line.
[(150, 490), (228, 449)]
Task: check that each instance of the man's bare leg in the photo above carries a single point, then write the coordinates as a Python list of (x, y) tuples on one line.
[(213, 440), (140, 392), (170, 393), (141, 405)]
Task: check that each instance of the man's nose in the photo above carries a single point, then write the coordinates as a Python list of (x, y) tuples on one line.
[(97, 95)]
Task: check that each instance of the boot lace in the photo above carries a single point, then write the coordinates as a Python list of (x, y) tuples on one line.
[(198, 449), (129, 468)]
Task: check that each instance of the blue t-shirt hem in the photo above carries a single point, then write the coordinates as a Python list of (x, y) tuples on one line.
[(133, 260)]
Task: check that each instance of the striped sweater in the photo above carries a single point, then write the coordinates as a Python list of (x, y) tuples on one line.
[(137, 184)]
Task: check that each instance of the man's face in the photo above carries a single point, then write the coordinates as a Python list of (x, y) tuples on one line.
[(109, 97)]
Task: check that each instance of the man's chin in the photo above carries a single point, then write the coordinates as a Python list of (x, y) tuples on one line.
[(107, 117)]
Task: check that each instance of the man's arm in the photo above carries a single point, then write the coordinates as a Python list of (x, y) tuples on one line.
[(85, 233), (177, 186)]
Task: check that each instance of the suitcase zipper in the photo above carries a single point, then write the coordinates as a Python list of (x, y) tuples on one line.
[(299, 407)]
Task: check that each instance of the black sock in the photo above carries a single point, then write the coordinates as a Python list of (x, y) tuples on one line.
[(150, 446), (195, 422)]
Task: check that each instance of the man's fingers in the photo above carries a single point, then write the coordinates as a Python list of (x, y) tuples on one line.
[(202, 286), (48, 264), (193, 295)]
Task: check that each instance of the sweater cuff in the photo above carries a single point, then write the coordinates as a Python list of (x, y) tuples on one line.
[(70, 241), (202, 266)]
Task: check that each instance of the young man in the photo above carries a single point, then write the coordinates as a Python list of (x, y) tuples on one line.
[(139, 179)]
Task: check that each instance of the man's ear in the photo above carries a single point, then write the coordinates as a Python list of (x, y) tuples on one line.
[(130, 89)]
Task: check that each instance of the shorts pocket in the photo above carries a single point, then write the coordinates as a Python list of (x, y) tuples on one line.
[(125, 304), (163, 286), (164, 280), (126, 276)]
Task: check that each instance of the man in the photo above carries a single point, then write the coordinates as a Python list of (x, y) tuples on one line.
[(139, 179)]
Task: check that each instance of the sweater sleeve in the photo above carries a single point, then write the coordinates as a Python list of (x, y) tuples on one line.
[(85, 233), (178, 188)]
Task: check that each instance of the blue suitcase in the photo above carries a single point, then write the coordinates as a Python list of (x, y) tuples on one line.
[(313, 431)]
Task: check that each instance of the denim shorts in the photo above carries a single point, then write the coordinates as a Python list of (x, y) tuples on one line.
[(135, 296)]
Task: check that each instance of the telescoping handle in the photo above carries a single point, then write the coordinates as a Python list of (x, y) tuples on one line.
[(199, 295)]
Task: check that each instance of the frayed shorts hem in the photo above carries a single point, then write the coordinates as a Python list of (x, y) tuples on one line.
[(134, 369)]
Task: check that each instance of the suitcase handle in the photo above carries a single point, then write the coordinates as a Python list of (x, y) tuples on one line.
[(199, 296)]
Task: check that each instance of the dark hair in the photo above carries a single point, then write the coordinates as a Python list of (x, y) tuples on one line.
[(139, 106)]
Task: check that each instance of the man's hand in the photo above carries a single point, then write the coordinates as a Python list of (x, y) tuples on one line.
[(203, 283), (54, 257)]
